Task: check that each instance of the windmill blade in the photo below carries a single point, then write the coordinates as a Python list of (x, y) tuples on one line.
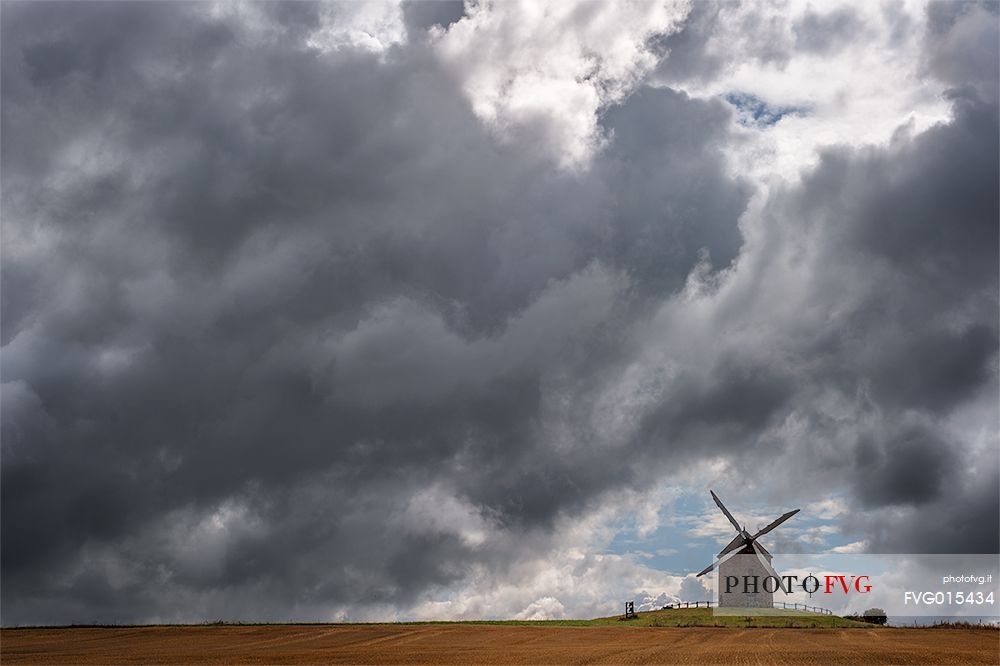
[(706, 570), (726, 511), (777, 522), (767, 565), (717, 563)]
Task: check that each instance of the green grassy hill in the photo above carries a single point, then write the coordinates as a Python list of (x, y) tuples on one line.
[(696, 617), (681, 617), (704, 617)]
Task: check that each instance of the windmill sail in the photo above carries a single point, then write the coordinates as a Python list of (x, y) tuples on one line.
[(759, 551), (718, 563), (775, 523), (726, 511)]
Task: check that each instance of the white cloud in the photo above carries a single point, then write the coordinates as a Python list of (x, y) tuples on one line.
[(854, 547), (373, 25), (845, 91), (546, 69), (434, 509), (567, 582), (546, 608), (406, 342), (827, 508), (569, 576)]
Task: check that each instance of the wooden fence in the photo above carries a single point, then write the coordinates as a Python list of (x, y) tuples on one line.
[(777, 604)]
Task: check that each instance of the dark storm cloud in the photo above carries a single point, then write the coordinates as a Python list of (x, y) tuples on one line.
[(669, 184), (424, 14), (962, 46), (962, 520), (824, 33), (691, 54), (280, 293), (923, 213), (297, 17), (685, 52), (922, 216), (268, 310), (905, 241), (725, 410), (911, 466)]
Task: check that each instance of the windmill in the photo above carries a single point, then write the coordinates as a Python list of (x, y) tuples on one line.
[(729, 565)]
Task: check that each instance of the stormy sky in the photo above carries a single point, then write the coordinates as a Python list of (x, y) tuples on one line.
[(421, 310)]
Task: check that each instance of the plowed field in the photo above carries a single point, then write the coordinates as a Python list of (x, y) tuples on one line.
[(493, 644)]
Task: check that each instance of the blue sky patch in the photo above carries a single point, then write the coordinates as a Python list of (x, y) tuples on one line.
[(752, 111)]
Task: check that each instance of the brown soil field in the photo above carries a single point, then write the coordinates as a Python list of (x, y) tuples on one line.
[(494, 644)]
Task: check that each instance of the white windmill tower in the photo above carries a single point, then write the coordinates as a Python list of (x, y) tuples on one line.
[(754, 561)]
